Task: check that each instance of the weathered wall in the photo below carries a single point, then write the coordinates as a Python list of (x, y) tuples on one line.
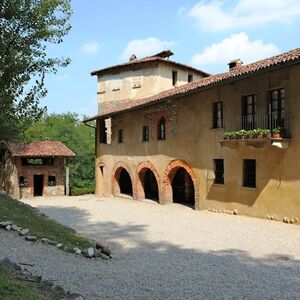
[(192, 141), (138, 83), (57, 170)]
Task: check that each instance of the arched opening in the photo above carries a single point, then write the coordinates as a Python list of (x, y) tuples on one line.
[(125, 183), (183, 188), (149, 184)]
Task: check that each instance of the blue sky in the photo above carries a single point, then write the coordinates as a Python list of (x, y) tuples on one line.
[(205, 34)]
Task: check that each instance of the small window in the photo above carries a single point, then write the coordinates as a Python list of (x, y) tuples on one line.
[(121, 136), (249, 179), (161, 129), (219, 171), (174, 77), (146, 133), (218, 114), (51, 181), (22, 181), (190, 78), (102, 132)]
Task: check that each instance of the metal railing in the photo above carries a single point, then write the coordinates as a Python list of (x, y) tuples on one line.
[(263, 121)]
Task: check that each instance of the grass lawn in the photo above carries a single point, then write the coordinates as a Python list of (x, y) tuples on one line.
[(21, 215), (14, 287)]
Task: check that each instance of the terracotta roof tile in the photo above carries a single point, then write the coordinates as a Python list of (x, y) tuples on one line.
[(146, 60), (39, 149), (292, 56)]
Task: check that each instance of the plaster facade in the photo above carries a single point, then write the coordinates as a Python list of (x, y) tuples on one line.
[(139, 82), (192, 144)]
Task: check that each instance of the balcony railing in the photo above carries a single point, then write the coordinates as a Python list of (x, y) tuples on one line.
[(269, 121)]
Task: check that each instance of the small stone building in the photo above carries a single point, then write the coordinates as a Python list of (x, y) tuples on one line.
[(34, 169)]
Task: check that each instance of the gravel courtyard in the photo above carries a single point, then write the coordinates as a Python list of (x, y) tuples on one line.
[(167, 252)]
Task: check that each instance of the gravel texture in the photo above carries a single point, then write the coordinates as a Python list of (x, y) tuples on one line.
[(164, 252)]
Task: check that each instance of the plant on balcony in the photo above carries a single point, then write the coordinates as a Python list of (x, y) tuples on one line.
[(228, 135), (251, 134), (241, 134), (276, 132)]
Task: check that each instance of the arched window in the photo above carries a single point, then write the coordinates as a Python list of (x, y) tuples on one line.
[(161, 129)]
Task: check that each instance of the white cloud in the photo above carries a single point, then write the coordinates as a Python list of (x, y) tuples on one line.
[(91, 48), (213, 16), (145, 47), (233, 47)]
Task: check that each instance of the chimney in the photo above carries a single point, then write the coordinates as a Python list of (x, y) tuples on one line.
[(132, 57), (235, 64)]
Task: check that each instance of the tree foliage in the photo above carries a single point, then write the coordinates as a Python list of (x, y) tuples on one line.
[(68, 129), (27, 27)]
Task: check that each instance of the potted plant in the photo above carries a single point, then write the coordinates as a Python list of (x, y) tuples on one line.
[(276, 133), (241, 134), (226, 135), (250, 134)]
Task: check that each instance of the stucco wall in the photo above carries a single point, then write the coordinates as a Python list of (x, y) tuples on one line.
[(138, 83), (191, 139)]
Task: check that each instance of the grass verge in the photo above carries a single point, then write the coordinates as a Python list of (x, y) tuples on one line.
[(22, 215), (13, 286)]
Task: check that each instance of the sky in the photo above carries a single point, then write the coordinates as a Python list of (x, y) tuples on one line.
[(204, 34)]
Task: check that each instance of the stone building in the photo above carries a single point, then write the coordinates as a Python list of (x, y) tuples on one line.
[(211, 143), (34, 169)]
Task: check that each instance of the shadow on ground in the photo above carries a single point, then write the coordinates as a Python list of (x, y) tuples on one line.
[(161, 270)]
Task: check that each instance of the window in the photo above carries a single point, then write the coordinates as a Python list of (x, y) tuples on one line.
[(146, 133), (190, 78), (174, 77), (277, 108), (218, 114), (219, 171), (161, 129), (22, 181), (51, 181), (45, 161), (102, 132), (249, 179), (248, 112), (121, 136)]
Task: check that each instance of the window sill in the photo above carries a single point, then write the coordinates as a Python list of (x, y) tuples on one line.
[(249, 188), (218, 185)]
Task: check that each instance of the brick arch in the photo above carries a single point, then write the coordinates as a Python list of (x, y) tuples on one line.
[(168, 177), (116, 176), (139, 179)]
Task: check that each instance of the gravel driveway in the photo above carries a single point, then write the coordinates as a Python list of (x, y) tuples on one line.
[(166, 252)]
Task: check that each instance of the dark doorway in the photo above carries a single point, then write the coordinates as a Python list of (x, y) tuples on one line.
[(125, 183), (150, 185), (38, 181), (183, 188)]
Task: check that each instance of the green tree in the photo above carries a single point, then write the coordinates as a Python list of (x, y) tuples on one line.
[(68, 129), (27, 27)]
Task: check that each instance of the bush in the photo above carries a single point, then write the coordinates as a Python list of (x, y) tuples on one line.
[(82, 191)]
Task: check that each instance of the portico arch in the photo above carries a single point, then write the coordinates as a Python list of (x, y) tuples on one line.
[(179, 173), (122, 180)]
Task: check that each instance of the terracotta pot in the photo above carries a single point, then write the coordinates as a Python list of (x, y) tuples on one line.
[(276, 135)]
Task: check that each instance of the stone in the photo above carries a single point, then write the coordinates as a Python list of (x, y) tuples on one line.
[(296, 219), (77, 250), (106, 251), (5, 223), (268, 217), (8, 227), (15, 228), (53, 243), (235, 212), (101, 244), (24, 232), (272, 218), (44, 240), (90, 252), (285, 220), (31, 238), (292, 221), (59, 246)]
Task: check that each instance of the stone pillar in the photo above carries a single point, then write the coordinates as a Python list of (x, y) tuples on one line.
[(67, 181)]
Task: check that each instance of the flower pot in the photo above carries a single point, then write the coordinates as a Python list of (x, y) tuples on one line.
[(276, 135)]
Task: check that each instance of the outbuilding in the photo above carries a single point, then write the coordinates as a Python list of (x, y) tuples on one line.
[(34, 169)]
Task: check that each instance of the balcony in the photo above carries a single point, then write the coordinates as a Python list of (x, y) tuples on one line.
[(257, 130)]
